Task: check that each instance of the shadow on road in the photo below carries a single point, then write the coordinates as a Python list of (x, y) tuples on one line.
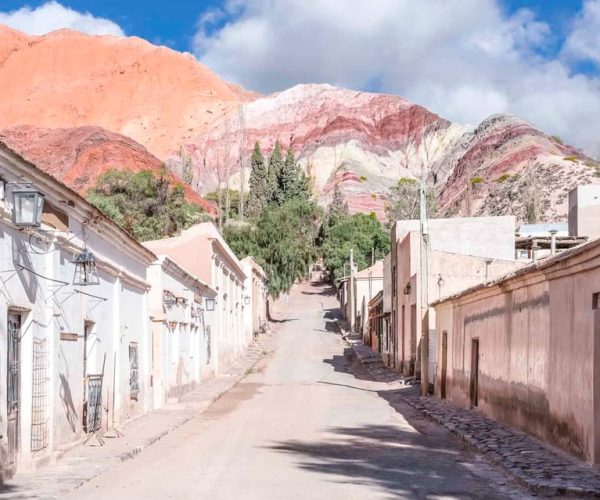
[(401, 462), (343, 364)]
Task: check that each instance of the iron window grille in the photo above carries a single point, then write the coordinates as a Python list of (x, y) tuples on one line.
[(134, 372)]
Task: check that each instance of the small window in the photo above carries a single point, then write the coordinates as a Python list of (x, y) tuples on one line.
[(596, 301), (134, 372)]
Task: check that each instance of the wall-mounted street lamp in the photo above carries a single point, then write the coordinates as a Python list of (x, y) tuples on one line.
[(210, 304), (28, 204), (247, 300), (169, 299), (86, 272), (407, 288)]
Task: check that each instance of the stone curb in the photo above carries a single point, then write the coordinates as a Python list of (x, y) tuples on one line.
[(565, 475)]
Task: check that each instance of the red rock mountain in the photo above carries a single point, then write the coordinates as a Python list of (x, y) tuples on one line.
[(365, 142), (185, 114), (78, 156), (155, 95)]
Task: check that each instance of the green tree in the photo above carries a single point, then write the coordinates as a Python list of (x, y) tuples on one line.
[(275, 166), (338, 205), (234, 197), (282, 239), (362, 233), (259, 194), (292, 181), (144, 204), (404, 201)]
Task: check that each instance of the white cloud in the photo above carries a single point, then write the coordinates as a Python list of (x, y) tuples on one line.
[(464, 59), (52, 16), (584, 41)]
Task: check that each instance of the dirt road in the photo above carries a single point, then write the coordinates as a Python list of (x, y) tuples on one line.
[(304, 425)]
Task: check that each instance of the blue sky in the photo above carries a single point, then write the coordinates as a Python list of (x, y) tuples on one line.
[(463, 59), (175, 26)]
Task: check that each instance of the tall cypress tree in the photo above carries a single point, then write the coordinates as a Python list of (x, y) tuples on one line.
[(338, 205), (259, 194), (289, 179), (275, 166)]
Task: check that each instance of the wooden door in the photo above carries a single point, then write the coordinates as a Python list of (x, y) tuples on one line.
[(444, 364), (474, 372), (13, 388)]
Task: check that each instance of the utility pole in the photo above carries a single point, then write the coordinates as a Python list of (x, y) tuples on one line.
[(351, 292), (424, 230)]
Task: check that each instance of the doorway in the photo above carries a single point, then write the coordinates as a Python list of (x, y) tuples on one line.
[(13, 387), (474, 386), (596, 376), (444, 364), (413, 339)]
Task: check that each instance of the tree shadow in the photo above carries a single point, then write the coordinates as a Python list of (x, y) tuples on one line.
[(285, 320), (401, 462), (344, 364)]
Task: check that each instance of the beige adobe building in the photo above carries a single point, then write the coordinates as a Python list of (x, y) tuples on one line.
[(460, 253), (256, 293), (203, 252)]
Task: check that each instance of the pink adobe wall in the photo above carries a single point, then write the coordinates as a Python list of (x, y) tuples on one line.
[(539, 363)]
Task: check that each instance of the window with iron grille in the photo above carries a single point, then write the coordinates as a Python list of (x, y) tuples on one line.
[(134, 373)]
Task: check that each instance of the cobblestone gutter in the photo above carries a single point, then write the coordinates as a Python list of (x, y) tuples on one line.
[(542, 469)]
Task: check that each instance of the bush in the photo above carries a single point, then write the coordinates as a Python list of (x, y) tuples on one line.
[(144, 204), (573, 159), (503, 178), (557, 138), (476, 180)]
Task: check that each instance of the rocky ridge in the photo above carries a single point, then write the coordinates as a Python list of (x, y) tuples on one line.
[(187, 116), (365, 142), (78, 156), (155, 95)]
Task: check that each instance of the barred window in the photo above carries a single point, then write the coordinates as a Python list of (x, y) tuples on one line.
[(134, 373)]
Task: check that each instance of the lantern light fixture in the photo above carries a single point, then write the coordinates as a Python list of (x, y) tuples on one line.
[(210, 304), (86, 272), (28, 204), (169, 299), (247, 300)]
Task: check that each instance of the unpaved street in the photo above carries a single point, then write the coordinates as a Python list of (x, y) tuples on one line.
[(305, 424)]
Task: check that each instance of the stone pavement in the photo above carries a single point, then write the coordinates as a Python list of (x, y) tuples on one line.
[(541, 468), (85, 462)]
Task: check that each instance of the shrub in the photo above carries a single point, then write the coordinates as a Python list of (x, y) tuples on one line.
[(476, 180), (503, 178), (573, 159), (363, 178), (144, 204), (557, 138)]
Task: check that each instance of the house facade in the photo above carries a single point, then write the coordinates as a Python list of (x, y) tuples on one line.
[(255, 298), (73, 317), (203, 252), (525, 350), (182, 330), (459, 253)]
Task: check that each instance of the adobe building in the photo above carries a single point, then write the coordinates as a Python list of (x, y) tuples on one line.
[(525, 349), (203, 252), (460, 252), (73, 318), (255, 298), (181, 309)]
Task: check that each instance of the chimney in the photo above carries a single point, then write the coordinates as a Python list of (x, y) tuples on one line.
[(553, 241)]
